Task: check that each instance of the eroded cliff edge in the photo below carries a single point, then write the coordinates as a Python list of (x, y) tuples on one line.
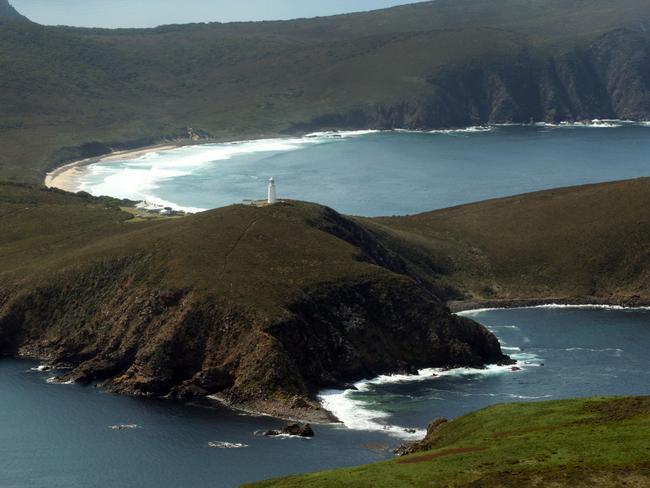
[(259, 306)]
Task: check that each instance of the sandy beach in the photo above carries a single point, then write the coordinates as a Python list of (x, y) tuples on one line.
[(68, 177)]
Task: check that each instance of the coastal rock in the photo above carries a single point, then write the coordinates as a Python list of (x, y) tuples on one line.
[(298, 430), (507, 362), (407, 369), (423, 445)]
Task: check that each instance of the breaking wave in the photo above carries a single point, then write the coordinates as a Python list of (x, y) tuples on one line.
[(593, 306), (358, 413)]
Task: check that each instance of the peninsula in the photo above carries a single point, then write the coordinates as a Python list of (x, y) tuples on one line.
[(262, 306)]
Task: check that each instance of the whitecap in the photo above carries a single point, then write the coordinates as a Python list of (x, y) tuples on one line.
[(527, 397), (226, 445), (526, 359), (55, 380), (124, 427), (42, 368), (616, 350)]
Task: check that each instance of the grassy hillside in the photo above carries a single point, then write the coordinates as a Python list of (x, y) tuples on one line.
[(586, 243), (575, 443), (261, 305), (431, 64)]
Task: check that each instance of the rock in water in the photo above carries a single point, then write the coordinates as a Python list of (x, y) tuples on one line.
[(298, 430)]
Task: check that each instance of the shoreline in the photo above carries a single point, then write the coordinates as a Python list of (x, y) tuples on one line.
[(66, 176), (630, 303)]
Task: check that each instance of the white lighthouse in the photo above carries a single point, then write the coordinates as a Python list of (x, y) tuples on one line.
[(273, 198)]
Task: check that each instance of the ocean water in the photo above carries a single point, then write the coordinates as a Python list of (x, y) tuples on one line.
[(62, 436), (382, 173)]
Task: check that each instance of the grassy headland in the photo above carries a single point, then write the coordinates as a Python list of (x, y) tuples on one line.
[(261, 305), (69, 93), (265, 305), (581, 244), (570, 443)]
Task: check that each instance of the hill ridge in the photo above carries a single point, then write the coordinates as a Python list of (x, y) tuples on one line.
[(7, 11)]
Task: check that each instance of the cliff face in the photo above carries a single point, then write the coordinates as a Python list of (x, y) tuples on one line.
[(269, 305), (607, 78)]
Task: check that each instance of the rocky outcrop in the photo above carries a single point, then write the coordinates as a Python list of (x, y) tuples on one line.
[(425, 444), (298, 430)]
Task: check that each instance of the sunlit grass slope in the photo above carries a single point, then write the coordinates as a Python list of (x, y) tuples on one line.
[(573, 443)]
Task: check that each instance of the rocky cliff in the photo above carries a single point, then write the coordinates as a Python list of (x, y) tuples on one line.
[(258, 306), (607, 78)]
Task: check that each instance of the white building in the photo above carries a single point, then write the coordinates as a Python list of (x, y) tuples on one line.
[(273, 198)]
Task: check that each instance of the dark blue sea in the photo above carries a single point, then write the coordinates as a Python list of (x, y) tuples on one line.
[(60, 435)]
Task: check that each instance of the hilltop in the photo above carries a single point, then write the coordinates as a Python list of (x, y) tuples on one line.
[(585, 244), (261, 306), (70, 93), (570, 443)]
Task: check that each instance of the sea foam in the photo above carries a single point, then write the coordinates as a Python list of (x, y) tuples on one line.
[(139, 178), (359, 413), (594, 306)]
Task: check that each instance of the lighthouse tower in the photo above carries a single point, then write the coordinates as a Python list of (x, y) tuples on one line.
[(273, 198)]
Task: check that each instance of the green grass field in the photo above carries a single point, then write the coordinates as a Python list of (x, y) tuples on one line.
[(574, 443)]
